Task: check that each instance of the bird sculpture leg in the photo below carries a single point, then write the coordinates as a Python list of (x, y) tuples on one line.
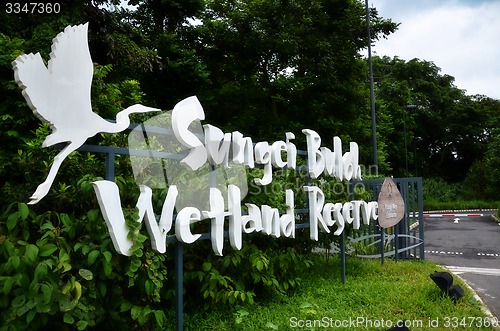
[(44, 187)]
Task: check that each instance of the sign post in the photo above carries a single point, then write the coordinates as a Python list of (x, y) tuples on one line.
[(391, 209)]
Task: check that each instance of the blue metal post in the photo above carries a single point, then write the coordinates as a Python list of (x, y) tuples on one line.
[(382, 247), (396, 240), (110, 166), (179, 288), (342, 257), (421, 217), (376, 191)]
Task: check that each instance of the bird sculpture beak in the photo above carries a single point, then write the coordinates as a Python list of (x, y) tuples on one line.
[(138, 108), (149, 109)]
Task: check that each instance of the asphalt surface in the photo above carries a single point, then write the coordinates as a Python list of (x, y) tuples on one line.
[(470, 248)]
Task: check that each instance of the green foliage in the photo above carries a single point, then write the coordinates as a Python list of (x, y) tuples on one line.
[(436, 189), (61, 271), (444, 131), (296, 64), (39, 279), (15, 116), (440, 195), (392, 291), (483, 179)]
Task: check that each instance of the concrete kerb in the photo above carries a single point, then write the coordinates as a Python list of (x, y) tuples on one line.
[(483, 306), (447, 211), (495, 219)]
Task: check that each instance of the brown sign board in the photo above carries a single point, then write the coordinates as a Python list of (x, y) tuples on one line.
[(391, 206)]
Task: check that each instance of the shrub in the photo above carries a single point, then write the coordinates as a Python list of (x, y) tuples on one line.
[(61, 271)]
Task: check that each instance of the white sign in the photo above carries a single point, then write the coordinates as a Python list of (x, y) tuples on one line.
[(226, 150), (60, 95)]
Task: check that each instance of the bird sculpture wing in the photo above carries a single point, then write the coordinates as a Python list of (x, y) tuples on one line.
[(60, 92)]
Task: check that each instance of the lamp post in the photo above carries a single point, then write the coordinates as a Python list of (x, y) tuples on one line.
[(405, 108), (372, 94), (415, 140)]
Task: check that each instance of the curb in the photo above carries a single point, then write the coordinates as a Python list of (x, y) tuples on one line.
[(483, 306), (452, 215), (441, 211), (459, 213)]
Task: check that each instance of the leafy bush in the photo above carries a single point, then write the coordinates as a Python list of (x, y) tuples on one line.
[(61, 271), (483, 178), (440, 195), (436, 189)]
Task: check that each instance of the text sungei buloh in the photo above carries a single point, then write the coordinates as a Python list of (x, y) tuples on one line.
[(225, 211)]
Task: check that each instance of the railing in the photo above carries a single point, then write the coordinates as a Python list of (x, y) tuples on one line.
[(403, 241)]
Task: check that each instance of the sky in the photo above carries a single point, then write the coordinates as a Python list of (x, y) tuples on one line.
[(462, 37)]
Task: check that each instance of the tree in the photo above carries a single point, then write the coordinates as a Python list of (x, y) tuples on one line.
[(287, 65), (483, 177), (446, 131)]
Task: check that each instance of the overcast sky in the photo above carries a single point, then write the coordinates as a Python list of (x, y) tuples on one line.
[(462, 37)]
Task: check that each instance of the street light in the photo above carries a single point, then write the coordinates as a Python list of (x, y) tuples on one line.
[(404, 133), (372, 93), (415, 140)]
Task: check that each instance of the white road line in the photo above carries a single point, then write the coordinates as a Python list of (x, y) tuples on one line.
[(443, 252), (453, 215), (480, 271), (461, 253), (488, 254)]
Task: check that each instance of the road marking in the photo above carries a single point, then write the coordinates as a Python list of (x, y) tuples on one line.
[(443, 252), (488, 254), (453, 215), (480, 271), (461, 253)]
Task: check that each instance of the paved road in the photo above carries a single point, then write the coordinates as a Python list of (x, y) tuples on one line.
[(471, 248)]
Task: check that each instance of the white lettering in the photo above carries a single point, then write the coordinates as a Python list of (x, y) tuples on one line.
[(253, 221), (278, 147), (315, 160), (235, 219), (109, 201), (291, 151), (242, 150), (184, 113), (186, 217), (316, 202), (217, 145), (217, 215), (263, 156)]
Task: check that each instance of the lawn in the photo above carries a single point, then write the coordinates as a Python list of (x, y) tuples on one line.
[(374, 297)]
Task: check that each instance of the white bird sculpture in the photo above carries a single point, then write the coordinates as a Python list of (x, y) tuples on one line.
[(60, 95)]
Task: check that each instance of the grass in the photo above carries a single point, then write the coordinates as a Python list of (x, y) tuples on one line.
[(374, 297)]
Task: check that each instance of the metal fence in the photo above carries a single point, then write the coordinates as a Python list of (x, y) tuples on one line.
[(405, 240)]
